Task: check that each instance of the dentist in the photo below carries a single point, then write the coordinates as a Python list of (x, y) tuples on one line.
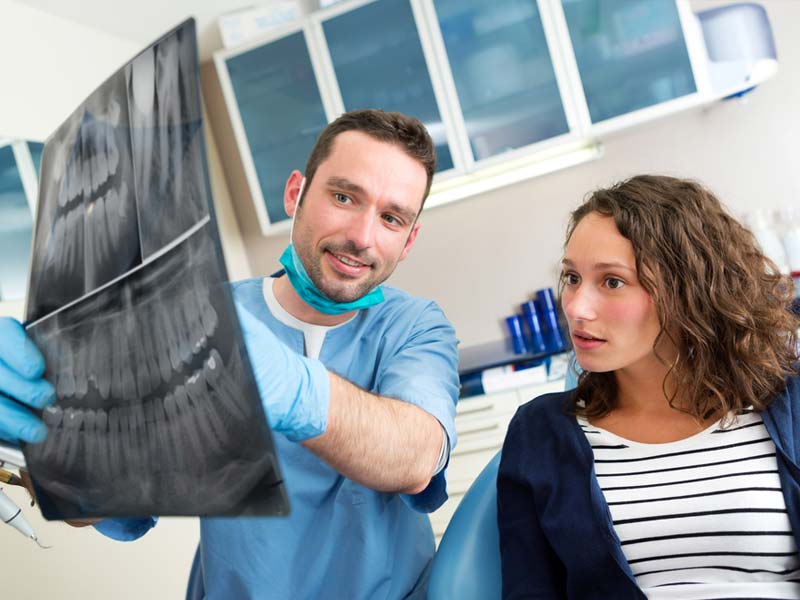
[(359, 381)]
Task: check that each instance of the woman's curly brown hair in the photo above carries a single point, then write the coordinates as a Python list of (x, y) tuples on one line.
[(719, 299)]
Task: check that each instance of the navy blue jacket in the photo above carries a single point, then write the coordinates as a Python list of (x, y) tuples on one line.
[(553, 517)]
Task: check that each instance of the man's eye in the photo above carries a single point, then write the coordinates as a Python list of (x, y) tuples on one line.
[(391, 219), (342, 198)]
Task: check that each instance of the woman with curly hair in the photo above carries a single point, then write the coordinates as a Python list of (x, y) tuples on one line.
[(673, 470)]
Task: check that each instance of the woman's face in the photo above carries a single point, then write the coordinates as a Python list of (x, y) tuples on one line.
[(612, 319)]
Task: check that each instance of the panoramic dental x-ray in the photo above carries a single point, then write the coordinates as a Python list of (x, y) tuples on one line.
[(157, 412)]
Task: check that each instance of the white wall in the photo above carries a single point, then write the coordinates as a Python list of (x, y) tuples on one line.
[(48, 65), (481, 257)]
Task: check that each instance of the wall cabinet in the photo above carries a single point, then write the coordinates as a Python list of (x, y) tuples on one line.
[(500, 84), (630, 54), (279, 114), (18, 167), (503, 72), (378, 61)]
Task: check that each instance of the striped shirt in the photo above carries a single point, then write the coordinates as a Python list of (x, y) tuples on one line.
[(703, 517)]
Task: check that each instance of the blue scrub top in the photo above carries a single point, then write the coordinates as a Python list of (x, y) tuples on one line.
[(341, 540)]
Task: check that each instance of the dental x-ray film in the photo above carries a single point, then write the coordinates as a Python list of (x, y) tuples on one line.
[(157, 411)]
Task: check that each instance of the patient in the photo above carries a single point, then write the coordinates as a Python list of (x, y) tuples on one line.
[(672, 470)]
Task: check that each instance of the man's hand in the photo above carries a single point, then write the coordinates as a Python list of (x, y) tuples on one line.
[(294, 390), (21, 385)]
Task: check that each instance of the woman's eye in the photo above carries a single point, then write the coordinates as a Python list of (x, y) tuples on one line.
[(614, 284), (341, 198), (570, 278)]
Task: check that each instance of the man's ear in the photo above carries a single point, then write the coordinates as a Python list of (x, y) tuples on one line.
[(292, 191), (410, 241)]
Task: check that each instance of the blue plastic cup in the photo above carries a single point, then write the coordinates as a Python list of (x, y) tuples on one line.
[(536, 336), (548, 314), (514, 323)]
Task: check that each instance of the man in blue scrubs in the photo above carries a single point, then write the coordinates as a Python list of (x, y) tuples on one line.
[(359, 381)]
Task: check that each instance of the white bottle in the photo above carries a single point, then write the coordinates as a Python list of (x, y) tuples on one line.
[(791, 238), (761, 224)]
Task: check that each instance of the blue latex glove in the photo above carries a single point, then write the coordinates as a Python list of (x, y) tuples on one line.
[(21, 385), (294, 390)]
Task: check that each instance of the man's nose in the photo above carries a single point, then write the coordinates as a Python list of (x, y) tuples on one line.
[(361, 230)]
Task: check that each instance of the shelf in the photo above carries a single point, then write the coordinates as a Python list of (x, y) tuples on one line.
[(494, 354)]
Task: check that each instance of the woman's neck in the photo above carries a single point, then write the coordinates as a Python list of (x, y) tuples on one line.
[(646, 412)]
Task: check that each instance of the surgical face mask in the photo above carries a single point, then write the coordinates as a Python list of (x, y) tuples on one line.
[(306, 289)]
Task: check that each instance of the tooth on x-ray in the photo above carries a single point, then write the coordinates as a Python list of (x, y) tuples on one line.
[(210, 420), (139, 437), (151, 432), (101, 443), (188, 425), (113, 151), (168, 332), (164, 437), (52, 416), (90, 439), (63, 437), (99, 357), (215, 374), (113, 441), (73, 177), (120, 428), (81, 365), (173, 420), (100, 153), (169, 106), (174, 315), (72, 425), (208, 315), (133, 448), (66, 377), (145, 381), (149, 346), (127, 383), (162, 352)]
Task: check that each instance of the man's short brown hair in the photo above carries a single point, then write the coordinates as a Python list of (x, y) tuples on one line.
[(407, 132)]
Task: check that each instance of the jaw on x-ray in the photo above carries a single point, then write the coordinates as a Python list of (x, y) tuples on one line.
[(157, 411)]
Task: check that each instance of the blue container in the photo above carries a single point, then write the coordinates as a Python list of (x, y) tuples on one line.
[(514, 323), (548, 315), (535, 334)]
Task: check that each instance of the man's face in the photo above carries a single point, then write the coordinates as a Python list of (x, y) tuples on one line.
[(357, 219)]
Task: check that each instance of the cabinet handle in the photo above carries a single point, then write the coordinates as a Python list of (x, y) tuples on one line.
[(484, 429), (476, 409)]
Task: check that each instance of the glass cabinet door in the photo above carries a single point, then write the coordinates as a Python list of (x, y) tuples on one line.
[(281, 110), (378, 60), (631, 54), (16, 229), (503, 73)]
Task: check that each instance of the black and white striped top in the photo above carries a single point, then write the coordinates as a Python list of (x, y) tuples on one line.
[(702, 517)]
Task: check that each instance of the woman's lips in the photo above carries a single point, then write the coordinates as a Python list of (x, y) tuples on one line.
[(586, 341)]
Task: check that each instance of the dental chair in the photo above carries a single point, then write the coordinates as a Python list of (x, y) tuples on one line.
[(467, 564)]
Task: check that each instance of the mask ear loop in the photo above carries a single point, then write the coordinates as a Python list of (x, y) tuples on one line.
[(297, 207)]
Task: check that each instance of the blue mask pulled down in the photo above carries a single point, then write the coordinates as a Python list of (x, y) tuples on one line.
[(309, 292)]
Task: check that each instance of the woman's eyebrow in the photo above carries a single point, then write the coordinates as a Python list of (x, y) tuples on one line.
[(602, 265)]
